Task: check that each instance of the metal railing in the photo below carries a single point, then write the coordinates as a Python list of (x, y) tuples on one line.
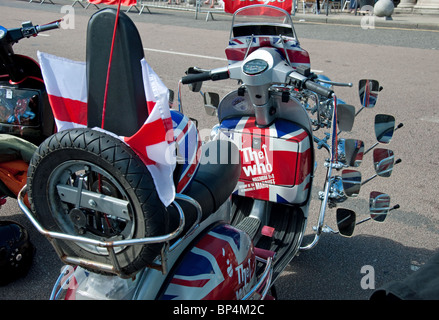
[(196, 6)]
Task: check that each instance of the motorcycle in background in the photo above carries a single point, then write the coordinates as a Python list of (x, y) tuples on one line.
[(25, 115), (25, 120), (243, 198)]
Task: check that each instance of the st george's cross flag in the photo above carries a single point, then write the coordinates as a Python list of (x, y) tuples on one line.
[(66, 86)]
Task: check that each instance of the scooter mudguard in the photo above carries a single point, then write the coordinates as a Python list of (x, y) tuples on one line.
[(276, 160), (220, 266)]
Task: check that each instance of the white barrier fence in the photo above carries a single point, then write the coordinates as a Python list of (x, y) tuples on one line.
[(209, 7), (196, 6)]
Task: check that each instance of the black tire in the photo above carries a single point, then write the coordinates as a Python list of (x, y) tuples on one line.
[(103, 164)]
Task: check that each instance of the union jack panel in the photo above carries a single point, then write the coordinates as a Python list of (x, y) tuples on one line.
[(276, 162), (188, 145), (220, 266)]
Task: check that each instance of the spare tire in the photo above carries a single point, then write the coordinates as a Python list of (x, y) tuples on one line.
[(88, 183)]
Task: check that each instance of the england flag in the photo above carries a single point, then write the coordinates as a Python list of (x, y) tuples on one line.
[(66, 86)]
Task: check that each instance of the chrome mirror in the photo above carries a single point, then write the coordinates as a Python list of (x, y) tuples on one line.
[(368, 90), (379, 205), (384, 127), (350, 152), (211, 102), (345, 221), (351, 182), (345, 117), (383, 160)]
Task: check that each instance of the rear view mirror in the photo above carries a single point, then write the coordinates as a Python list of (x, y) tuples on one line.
[(383, 160), (350, 152), (211, 102), (368, 90), (346, 221), (351, 182), (384, 127), (345, 117), (379, 205)]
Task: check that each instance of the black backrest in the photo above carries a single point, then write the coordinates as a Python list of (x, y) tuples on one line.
[(126, 108)]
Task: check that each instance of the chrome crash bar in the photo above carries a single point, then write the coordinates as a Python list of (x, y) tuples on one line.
[(260, 289), (113, 268)]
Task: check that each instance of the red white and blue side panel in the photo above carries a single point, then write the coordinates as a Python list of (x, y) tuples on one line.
[(221, 265), (276, 161)]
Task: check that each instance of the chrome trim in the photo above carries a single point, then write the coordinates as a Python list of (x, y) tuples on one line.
[(264, 282), (114, 268), (104, 244), (196, 224)]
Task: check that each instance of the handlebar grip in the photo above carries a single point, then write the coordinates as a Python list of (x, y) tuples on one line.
[(196, 77), (47, 27), (321, 90)]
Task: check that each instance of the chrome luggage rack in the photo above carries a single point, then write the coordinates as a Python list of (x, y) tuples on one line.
[(113, 268)]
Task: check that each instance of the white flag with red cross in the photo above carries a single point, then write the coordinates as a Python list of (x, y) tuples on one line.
[(66, 86)]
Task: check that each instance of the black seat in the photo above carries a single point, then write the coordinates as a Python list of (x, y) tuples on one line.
[(214, 181), (126, 108)]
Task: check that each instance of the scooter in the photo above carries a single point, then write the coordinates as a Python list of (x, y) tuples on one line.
[(25, 115), (274, 117), (25, 120), (236, 222)]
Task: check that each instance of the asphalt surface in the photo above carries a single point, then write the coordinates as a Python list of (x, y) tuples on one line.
[(403, 57)]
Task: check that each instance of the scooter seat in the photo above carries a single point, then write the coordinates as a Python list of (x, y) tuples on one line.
[(213, 183)]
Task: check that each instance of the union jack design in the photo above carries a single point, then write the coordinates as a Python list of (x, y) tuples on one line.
[(276, 162), (238, 47), (220, 266), (188, 148)]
